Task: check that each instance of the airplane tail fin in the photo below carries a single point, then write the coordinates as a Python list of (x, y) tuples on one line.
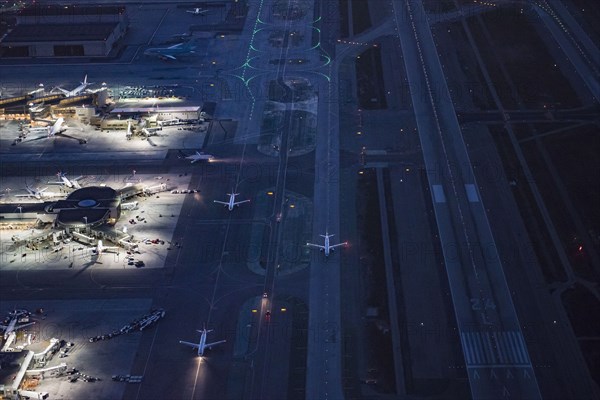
[(187, 45), (84, 80)]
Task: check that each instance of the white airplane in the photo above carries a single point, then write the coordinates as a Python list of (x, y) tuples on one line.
[(199, 156), (13, 325), (77, 90), (327, 248), (70, 183), (37, 193), (197, 11), (170, 53), (36, 108), (129, 132), (50, 130), (231, 203), (100, 248), (202, 345)]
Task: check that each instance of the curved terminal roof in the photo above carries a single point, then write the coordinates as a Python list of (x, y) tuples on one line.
[(89, 206)]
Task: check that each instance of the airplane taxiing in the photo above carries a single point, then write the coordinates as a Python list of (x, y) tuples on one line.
[(197, 11), (70, 183), (77, 90), (200, 156), (327, 248), (171, 52), (202, 345), (231, 203)]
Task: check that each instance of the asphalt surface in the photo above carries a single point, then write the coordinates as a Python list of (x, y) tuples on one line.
[(490, 332)]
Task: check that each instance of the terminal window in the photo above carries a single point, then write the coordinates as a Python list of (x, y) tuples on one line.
[(15, 51), (68, 50)]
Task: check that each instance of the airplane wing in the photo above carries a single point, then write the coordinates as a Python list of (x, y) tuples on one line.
[(175, 46), (240, 202), (221, 202), (338, 245), (194, 345), (318, 246), (38, 129), (170, 57), (23, 325), (209, 345)]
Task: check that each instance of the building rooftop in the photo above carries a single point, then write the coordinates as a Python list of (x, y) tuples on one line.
[(52, 10), (125, 110), (60, 32)]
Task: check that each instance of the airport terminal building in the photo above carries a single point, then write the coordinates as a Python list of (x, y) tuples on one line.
[(59, 31)]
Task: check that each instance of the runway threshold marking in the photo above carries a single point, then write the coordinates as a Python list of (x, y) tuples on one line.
[(438, 193), (471, 193)]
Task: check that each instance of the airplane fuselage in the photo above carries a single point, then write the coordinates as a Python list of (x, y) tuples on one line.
[(231, 201), (327, 249), (202, 343)]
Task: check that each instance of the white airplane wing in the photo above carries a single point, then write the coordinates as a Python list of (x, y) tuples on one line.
[(318, 246), (209, 345), (175, 46), (338, 245), (240, 202), (170, 57), (221, 202), (194, 345), (3, 327)]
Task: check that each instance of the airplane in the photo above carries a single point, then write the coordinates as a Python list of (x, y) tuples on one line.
[(200, 156), (70, 183), (36, 108), (327, 248), (202, 345), (37, 193), (14, 320), (170, 53), (100, 248), (77, 90), (197, 11), (231, 203), (129, 132), (51, 130)]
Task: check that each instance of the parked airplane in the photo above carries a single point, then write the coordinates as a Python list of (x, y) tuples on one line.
[(77, 90), (100, 248), (327, 248), (37, 193), (50, 130), (70, 183), (231, 203), (170, 53), (13, 325), (200, 156), (197, 11), (36, 108), (202, 345)]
